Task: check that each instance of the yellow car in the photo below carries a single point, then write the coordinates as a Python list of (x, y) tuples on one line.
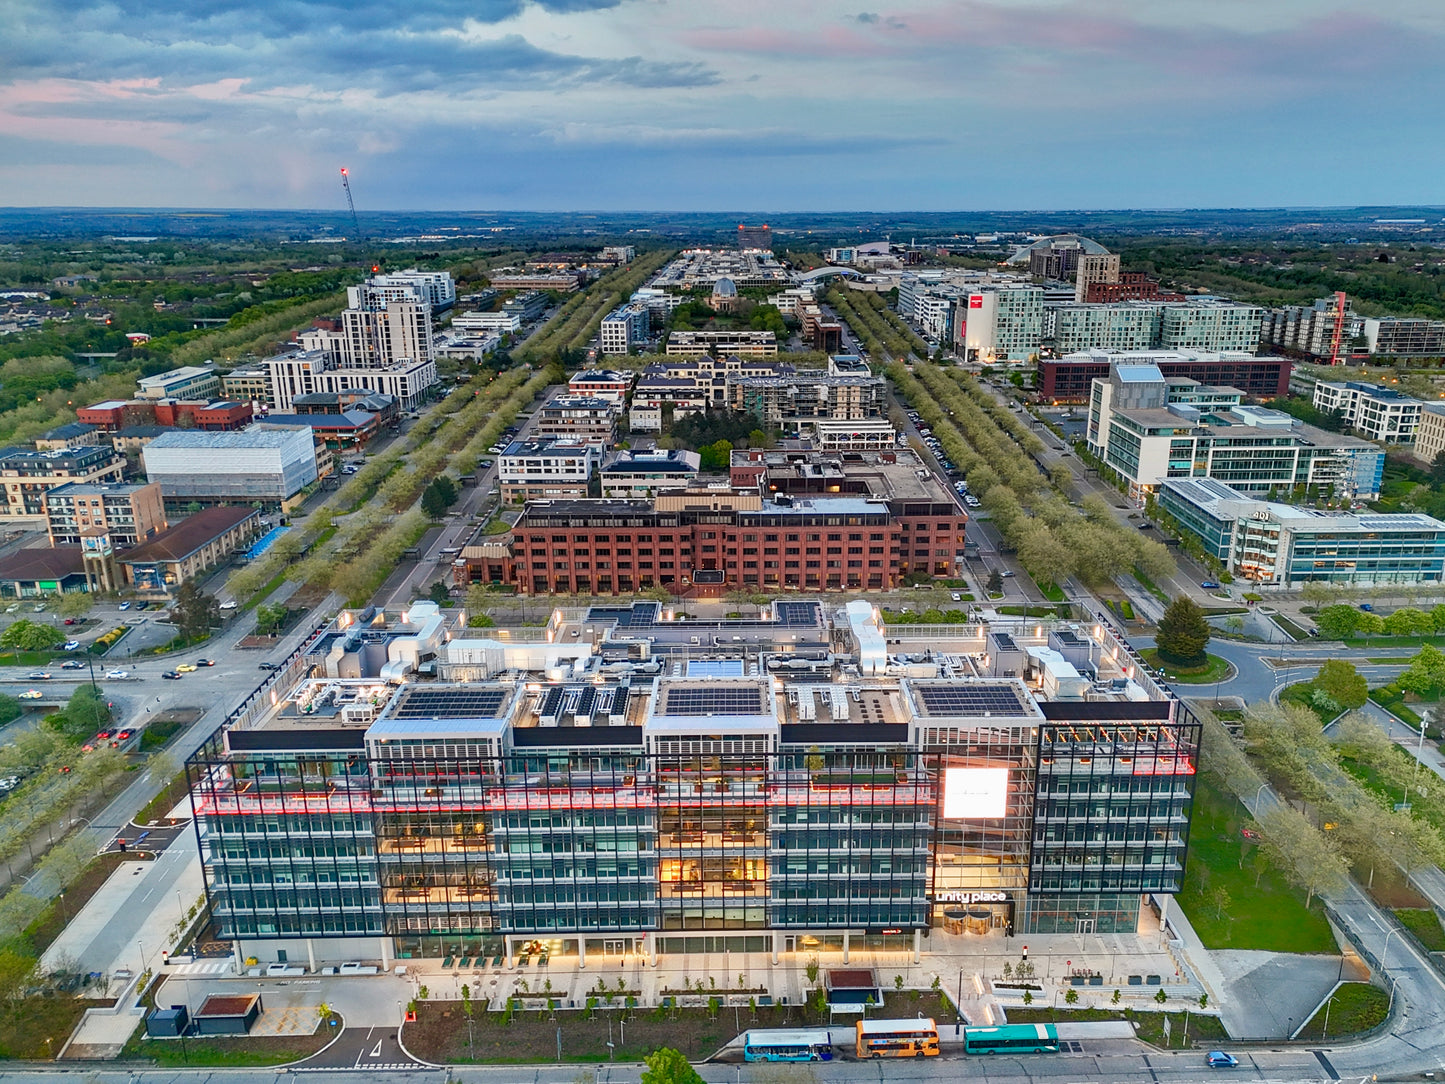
[(186, 668)]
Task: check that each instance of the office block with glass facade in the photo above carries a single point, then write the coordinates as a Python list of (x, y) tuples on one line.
[(1033, 781)]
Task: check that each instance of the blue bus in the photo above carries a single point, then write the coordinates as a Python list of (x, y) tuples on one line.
[(1012, 1039), (778, 1044)]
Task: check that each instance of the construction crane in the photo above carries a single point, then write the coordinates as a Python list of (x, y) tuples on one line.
[(1338, 338), (356, 222)]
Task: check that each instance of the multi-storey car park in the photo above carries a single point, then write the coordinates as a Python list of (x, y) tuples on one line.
[(619, 782)]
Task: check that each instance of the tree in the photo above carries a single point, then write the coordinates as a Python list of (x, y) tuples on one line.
[(1426, 673), (1071, 997), (1183, 633), (270, 617), (194, 611), (433, 502), (75, 604), (86, 712), (716, 456), (29, 635), (1343, 684), (1338, 622), (1407, 622), (995, 583), (1437, 469), (668, 1066), (438, 593)]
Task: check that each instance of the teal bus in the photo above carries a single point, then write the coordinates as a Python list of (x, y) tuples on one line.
[(1012, 1039), (777, 1044)]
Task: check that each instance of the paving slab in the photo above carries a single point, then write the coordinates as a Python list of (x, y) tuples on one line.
[(1269, 994)]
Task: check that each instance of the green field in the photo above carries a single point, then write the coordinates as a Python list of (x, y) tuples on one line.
[(1270, 915)]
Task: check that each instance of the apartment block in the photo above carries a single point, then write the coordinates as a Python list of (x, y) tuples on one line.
[(1211, 325), (624, 327), (1376, 413), (27, 476), (638, 475), (581, 418), (691, 344), (432, 288), (1405, 337), (1095, 268), (546, 469), (128, 514), (1430, 433)]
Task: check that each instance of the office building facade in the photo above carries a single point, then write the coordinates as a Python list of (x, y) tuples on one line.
[(706, 811), (1070, 379)]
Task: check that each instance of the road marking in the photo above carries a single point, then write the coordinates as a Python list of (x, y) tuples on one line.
[(376, 1053)]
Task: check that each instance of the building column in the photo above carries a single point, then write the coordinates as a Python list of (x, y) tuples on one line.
[(581, 953), (237, 959), (1163, 915), (310, 956), (777, 946), (385, 952), (917, 945), (845, 946), (650, 945), (507, 951)]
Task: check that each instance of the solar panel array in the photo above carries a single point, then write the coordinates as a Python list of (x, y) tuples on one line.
[(971, 699), (797, 614), (713, 700), (450, 704)]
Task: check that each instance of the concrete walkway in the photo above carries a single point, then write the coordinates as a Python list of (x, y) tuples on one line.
[(1270, 994)]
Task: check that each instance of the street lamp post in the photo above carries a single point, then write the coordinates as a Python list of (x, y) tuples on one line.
[(1257, 795)]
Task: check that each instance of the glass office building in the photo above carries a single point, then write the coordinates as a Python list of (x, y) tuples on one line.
[(1027, 780)]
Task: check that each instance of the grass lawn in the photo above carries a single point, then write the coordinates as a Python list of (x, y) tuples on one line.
[(165, 801), (1427, 808), (1204, 1030), (1425, 925), (1052, 591), (1215, 669), (37, 1027), (1269, 916), (162, 728), (1290, 627), (227, 1051), (1355, 1007)]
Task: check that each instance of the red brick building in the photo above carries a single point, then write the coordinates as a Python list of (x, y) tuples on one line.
[(1132, 286)]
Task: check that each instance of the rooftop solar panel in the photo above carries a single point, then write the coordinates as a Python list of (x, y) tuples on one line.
[(797, 614), (418, 703), (713, 700), (971, 699)]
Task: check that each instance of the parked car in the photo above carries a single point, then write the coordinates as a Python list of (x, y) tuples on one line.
[(72, 620), (1218, 1059), (229, 604), (71, 645), (269, 666), (125, 605), (1367, 607), (1006, 573), (956, 597), (171, 675), (1209, 585)]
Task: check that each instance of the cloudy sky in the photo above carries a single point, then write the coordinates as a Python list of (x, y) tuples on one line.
[(722, 104)]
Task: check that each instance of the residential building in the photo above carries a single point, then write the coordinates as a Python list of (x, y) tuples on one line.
[(857, 435), (692, 384), (755, 237), (187, 382), (1282, 547), (1003, 323), (131, 439), (582, 418), (1430, 433), (644, 419), (795, 402), (637, 475), (1095, 268), (383, 406), (546, 469), (1070, 378), (261, 464), (624, 327), (129, 514), (1056, 256), (562, 282), (348, 818), (1146, 428), (691, 344), (613, 384), (29, 475), (1115, 328), (1375, 412), (1211, 324), (70, 435), (619, 253), (311, 372), (192, 547), (432, 288), (1310, 329), (1130, 286), (251, 384), (1405, 337)]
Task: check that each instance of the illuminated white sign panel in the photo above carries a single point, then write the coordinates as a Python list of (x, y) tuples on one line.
[(974, 793)]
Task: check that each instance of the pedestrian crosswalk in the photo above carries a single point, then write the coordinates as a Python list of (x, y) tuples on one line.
[(392, 1066), (201, 967)]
